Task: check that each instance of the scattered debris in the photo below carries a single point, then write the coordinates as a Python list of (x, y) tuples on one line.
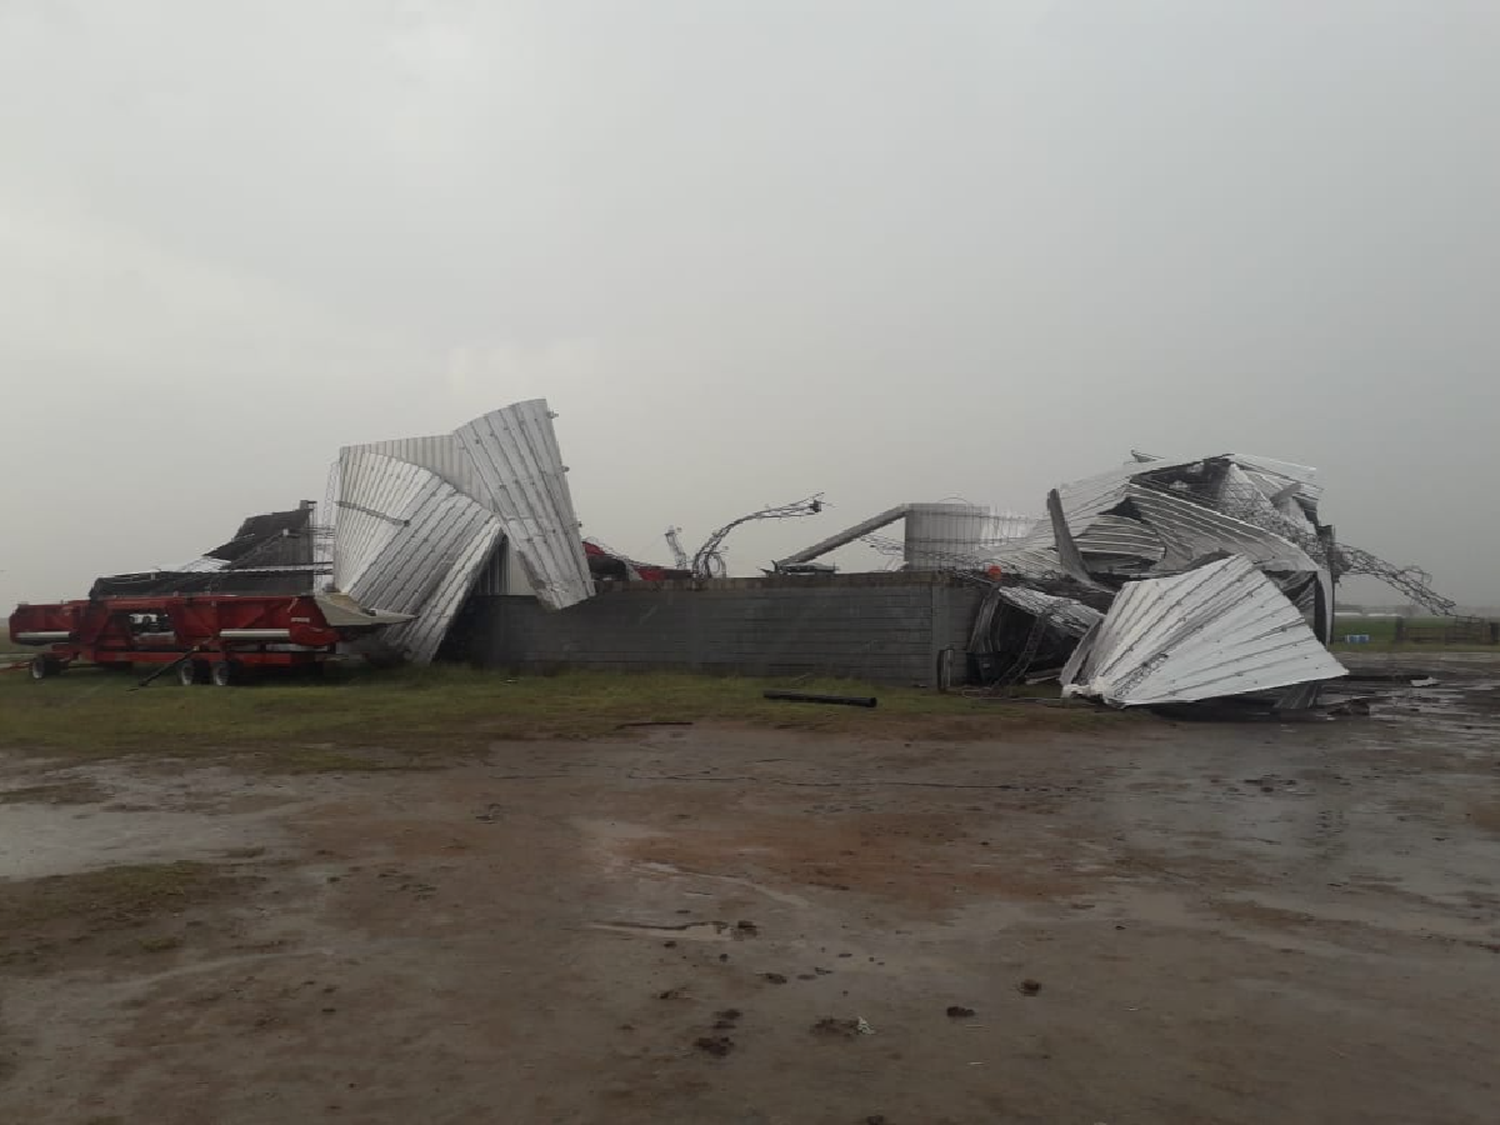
[(746, 929), (842, 1028), (773, 978), (708, 560), (1029, 987), (958, 1012), (716, 1045)]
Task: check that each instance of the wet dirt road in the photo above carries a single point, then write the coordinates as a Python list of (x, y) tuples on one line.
[(1168, 922)]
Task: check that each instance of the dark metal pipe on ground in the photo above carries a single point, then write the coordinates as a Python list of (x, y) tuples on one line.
[(810, 697)]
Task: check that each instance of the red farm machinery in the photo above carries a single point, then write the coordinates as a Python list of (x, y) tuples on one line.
[(218, 638)]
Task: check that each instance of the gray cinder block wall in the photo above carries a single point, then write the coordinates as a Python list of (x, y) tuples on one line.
[(888, 628)]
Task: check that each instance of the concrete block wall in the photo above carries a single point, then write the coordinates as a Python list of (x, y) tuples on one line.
[(885, 628)]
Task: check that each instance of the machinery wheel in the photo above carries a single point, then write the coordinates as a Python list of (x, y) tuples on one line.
[(224, 673), (189, 673), (42, 667)]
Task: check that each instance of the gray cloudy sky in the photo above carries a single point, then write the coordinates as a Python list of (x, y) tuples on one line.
[(889, 250)]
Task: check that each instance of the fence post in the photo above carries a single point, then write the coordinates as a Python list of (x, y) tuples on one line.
[(1400, 629)]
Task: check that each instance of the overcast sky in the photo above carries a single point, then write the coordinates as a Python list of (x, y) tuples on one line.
[(885, 249)]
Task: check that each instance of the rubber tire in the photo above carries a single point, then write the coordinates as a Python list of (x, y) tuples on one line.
[(42, 668), (189, 672), (223, 673)]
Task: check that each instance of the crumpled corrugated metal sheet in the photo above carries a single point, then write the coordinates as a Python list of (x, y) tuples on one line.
[(438, 453), (1116, 535), (416, 519), (522, 478), (1221, 629), (376, 495), (1190, 531), (407, 541), (1068, 615), (1165, 528), (1284, 472)]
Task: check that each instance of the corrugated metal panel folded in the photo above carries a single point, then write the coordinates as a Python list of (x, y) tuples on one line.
[(439, 453), (1117, 535), (1191, 531), (407, 541), (1284, 472), (1068, 615), (522, 478), (376, 496), (418, 519), (421, 639), (1221, 629)]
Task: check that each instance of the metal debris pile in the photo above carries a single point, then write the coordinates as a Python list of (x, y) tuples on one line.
[(1213, 575), (1162, 582), (419, 523)]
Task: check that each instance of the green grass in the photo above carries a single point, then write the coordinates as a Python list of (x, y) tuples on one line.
[(1382, 634), (416, 717), (1382, 630)]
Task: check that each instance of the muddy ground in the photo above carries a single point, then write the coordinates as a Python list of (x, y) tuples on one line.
[(1154, 922)]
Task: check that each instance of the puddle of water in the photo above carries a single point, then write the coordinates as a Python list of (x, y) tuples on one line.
[(37, 840), (128, 823)]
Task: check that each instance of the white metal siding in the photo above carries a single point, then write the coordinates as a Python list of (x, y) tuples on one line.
[(407, 541), (438, 453), (1221, 629), (515, 456)]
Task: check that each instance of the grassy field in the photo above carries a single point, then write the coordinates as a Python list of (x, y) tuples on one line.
[(1382, 634), (1382, 630), (411, 717)]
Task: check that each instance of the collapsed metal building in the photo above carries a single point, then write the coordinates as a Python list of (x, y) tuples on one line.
[(1162, 581), (419, 523), (1053, 580)]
